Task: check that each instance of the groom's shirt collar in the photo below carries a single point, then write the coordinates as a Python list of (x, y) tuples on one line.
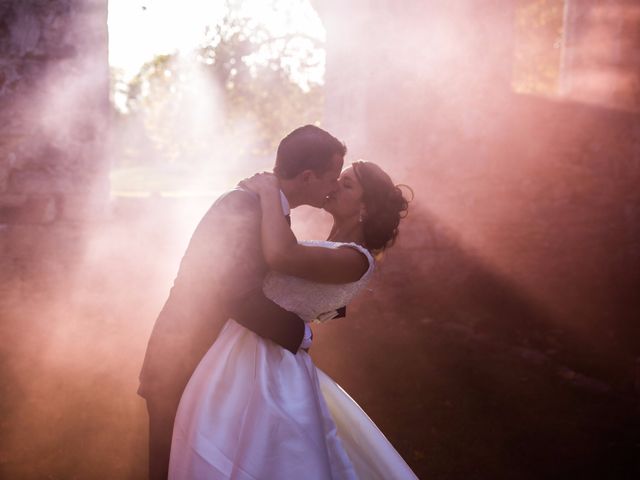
[(286, 209)]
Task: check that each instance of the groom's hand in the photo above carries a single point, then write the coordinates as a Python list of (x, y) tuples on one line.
[(267, 319), (261, 183)]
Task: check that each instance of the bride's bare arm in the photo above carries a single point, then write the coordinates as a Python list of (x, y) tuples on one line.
[(283, 253)]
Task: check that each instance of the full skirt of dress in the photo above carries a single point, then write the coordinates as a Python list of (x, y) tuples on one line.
[(253, 410)]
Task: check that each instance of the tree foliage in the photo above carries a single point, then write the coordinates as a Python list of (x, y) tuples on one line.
[(230, 101)]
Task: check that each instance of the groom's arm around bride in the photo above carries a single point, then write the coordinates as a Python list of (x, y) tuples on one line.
[(223, 262)]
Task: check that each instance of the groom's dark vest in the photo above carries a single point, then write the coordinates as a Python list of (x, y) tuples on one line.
[(220, 276)]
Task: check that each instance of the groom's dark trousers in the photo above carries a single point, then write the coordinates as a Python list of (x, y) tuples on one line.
[(220, 277)]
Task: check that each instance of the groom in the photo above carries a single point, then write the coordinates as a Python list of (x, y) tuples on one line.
[(220, 277)]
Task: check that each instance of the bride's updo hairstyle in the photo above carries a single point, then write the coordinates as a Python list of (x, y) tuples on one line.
[(385, 204)]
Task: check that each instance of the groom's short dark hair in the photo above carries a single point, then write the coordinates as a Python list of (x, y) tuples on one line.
[(307, 148)]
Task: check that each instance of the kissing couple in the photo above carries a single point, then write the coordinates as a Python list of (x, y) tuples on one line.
[(230, 388)]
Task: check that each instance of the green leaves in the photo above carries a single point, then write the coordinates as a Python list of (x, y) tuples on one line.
[(233, 98)]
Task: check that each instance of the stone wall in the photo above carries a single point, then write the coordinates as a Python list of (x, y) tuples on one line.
[(600, 60), (54, 108), (527, 211)]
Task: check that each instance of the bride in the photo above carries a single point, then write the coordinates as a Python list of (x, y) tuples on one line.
[(253, 410)]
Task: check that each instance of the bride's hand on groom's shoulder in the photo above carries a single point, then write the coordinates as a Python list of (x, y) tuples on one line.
[(261, 183)]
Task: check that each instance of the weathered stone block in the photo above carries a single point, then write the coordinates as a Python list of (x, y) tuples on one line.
[(39, 182), (24, 31), (21, 240), (25, 209), (4, 177), (12, 200), (34, 241), (4, 240), (11, 283)]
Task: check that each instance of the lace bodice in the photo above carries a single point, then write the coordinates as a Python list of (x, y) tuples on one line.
[(312, 300)]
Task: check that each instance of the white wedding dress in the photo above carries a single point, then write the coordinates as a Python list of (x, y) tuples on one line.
[(253, 410)]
